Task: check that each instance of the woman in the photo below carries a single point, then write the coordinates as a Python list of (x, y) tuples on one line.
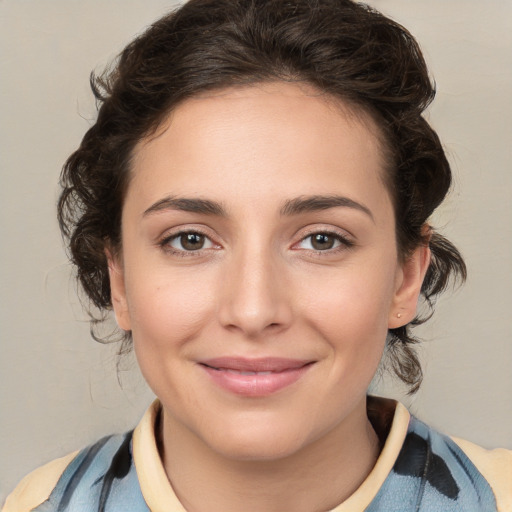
[(253, 204)]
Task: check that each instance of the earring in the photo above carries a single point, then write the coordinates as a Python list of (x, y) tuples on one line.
[(399, 315)]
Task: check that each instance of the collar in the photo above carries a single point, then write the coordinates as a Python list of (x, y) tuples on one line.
[(384, 414)]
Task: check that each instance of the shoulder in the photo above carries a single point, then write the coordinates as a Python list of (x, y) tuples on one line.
[(457, 470), (69, 477), (37, 486), (423, 469), (495, 466)]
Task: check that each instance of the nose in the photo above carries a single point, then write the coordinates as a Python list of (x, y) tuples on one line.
[(254, 296)]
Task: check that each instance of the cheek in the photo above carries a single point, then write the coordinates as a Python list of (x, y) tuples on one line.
[(351, 312), (168, 309), (168, 314)]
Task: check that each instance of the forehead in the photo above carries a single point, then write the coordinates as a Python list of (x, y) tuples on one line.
[(266, 140)]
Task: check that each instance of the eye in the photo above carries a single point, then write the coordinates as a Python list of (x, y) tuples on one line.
[(188, 241), (324, 241)]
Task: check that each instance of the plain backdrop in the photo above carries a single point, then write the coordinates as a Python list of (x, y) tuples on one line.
[(60, 390)]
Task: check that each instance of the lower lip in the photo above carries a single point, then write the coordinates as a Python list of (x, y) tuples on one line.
[(255, 385)]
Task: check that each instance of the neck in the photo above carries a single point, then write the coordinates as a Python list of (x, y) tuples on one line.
[(316, 477)]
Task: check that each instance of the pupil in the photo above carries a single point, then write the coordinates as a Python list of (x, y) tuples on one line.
[(192, 241), (322, 241)]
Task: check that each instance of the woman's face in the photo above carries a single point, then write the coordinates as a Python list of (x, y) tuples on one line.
[(259, 271)]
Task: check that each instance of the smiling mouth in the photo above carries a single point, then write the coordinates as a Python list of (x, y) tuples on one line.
[(240, 372), (255, 377)]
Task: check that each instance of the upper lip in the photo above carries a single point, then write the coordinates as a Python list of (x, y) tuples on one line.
[(262, 364)]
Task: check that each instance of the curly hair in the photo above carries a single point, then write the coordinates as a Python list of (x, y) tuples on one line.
[(343, 48)]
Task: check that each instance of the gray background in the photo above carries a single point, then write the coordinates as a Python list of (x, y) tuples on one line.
[(60, 390)]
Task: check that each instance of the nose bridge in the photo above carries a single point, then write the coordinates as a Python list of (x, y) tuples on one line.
[(253, 297)]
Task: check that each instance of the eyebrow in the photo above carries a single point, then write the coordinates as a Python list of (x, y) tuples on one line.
[(184, 204), (296, 206), (315, 203)]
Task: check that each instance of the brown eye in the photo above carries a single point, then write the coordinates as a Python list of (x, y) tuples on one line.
[(188, 241), (192, 241), (322, 241)]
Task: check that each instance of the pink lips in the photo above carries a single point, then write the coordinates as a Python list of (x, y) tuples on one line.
[(255, 377)]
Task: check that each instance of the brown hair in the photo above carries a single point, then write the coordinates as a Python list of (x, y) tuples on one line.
[(344, 49)]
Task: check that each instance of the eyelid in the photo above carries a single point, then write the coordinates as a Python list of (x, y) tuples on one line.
[(164, 241), (178, 237), (346, 240)]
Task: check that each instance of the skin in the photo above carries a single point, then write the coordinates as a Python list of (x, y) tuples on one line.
[(259, 288)]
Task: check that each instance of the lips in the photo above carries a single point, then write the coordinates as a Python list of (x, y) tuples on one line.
[(255, 377)]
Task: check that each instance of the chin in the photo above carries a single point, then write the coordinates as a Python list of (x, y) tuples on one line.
[(258, 438), (261, 449)]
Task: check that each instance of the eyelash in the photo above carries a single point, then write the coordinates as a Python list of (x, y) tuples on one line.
[(166, 241), (344, 243)]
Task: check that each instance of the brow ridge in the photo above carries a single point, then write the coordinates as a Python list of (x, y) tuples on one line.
[(193, 205), (295, 206), (305, 204)]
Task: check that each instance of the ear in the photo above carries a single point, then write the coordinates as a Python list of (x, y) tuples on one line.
[(408, 287), (118, 290)]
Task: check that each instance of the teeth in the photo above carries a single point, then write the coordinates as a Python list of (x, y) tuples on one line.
[(237, 372)]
